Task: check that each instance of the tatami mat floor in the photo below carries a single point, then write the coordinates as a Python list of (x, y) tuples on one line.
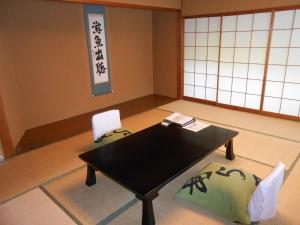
[(57, 169)]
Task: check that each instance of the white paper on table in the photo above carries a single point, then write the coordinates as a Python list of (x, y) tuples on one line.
[(179, 119), (196, 126)]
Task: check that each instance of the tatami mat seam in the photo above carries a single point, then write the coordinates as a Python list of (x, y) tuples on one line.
[(75, 220), (18, 195), (252, 160), (288, 172), (105, 221), (43, 184), (62, 175), (118, 212), (245, 129)]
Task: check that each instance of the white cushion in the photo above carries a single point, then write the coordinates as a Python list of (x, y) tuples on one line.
[(263, 202), (105, 122)]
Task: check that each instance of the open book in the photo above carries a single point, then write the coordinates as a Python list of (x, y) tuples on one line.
[(179, 119)]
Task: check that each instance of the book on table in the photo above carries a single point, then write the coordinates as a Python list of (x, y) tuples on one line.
[(178, 119)]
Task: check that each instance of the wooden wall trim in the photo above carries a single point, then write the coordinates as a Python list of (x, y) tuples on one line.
[(5, 137), (180, 55), (56, 131), (267, 61), (276, 115), (117, 4), (244, 12)]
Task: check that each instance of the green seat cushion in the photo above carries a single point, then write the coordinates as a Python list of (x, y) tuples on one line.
[(223, 189), (110, 137)]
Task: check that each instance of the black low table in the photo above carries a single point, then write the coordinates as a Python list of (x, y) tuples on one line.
[(147, 160)]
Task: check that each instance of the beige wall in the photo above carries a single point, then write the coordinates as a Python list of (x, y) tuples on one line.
[(165, 53), (202, 7), (172, 4), (49, 78), (10, 92)]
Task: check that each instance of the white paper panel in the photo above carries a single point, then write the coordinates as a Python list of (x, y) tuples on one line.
[(229, 23), (189, 66), (293, 74), (261, 21), (254, 87), (243, 39), (189, 52), (281, 38), (241, 55), (295, 42), (213, 53), (189, 39), (271, 104), (256, 71), (240, 70), (237, 99), (190, 25), (297, 19), (200, 92), (201, 39), (189, 78), (258, 55), (201, 53), (244, 22), (290, 107), (202, 25), (211, 94), (259, 38), (276, 73), (252, 101), (294, 56), (188, 91), (212, 67), (200, 79), (224, 97), (273, 89), (291, 91), (214, 23), (214, 39), (239, 85), (211, 81), (228, 39), (227, 54), (283, 19), (226, 69), (200, 67), (278, 56), (225, 83)]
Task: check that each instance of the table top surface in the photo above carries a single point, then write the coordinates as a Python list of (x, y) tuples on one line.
[(147, 160)]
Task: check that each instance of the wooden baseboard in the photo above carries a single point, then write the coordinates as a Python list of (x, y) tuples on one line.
[(59, 130)]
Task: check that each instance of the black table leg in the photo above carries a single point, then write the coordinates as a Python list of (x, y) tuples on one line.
[(229, 150), (90, 176), (148, 214)]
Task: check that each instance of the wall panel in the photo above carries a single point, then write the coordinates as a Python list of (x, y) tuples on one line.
[(10, 92), (50, 68), (165, 53)]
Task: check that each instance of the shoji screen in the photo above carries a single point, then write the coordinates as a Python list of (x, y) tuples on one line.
[(201, 56), (248, 61), (244, 43), (282, 94)]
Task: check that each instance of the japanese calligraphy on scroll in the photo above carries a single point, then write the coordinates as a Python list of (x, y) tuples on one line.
[(98, 54)]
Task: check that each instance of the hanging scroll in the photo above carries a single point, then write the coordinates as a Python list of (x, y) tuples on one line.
[(98, 49)]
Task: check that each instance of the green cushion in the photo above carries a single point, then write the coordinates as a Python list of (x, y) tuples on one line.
[(222, 189), (110, 137)]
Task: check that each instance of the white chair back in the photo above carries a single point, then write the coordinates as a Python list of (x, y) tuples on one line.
[(263, 202), (105, 122)]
